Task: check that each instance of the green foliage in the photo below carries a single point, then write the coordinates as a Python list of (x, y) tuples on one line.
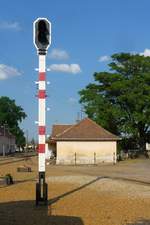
[(12, 115), (119, 100)]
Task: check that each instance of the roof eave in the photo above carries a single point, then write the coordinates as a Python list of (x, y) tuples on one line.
[(86, 139)]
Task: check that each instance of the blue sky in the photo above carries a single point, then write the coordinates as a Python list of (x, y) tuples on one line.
[(84, 34)]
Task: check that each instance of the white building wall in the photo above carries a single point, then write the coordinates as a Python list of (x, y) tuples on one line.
[(148, 146), (7, 145), (86, 152)]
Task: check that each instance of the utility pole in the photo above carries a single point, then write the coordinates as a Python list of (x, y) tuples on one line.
[(78, 117), (4, 139), (82, 113), (42, 29), (27, 135), (4, 135)]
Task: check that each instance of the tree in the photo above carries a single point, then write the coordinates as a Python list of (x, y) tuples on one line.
[(12, 115), (119, 99)]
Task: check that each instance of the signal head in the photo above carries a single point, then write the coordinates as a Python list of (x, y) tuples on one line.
[(42, 30)]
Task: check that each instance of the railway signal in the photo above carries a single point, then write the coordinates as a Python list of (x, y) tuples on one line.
[(42, 40)]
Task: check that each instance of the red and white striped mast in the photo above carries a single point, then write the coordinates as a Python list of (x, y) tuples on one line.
[(42, 30)]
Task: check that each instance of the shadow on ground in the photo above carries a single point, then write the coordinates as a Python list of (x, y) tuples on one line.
[(4, 185), (26, 213), (129, 180), (140, 222), (51, 201)]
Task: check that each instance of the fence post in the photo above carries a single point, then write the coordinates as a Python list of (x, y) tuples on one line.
[(94, 158), (75, 158), (114, 158)]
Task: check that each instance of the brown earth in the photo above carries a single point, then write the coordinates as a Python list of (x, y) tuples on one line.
[(78, 195)]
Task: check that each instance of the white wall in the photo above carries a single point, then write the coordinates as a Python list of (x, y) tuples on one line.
[(7, 145), (148, 146), (48, 152), (86, 152)]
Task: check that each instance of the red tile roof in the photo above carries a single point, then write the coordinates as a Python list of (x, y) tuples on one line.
[(58, 129), (86, 129)]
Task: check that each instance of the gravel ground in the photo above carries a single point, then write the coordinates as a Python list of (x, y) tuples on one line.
[(82, 195), (106, 185)]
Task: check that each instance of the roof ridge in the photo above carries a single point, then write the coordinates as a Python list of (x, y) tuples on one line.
[(99, 126), (57, 135)]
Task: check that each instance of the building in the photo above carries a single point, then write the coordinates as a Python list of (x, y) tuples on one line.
[(83, 143), (147, 146), (7, 142)]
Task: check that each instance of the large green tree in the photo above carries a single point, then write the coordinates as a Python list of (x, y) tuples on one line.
[(12, 115), (119, 99)]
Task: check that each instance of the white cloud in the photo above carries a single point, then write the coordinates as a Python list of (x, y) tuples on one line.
[(146, 52), (104, 58), (58, 54), (65, 68), (10, 25), (7, 72), (72, 100)]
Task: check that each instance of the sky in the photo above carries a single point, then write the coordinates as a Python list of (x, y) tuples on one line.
[(84, 35)]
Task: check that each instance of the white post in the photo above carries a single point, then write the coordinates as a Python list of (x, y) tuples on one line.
[(42, 40), (41, 187), (42, 112)]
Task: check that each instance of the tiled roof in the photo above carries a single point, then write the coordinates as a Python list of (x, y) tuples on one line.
[(58, 129), (86, 129)]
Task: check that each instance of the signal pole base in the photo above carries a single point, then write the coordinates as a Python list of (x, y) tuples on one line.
[(41, 190)]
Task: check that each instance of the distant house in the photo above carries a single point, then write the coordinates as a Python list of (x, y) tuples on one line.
[(83, 143), (7, 142)]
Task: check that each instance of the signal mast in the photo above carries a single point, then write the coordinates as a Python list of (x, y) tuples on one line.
[(42, 40)]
